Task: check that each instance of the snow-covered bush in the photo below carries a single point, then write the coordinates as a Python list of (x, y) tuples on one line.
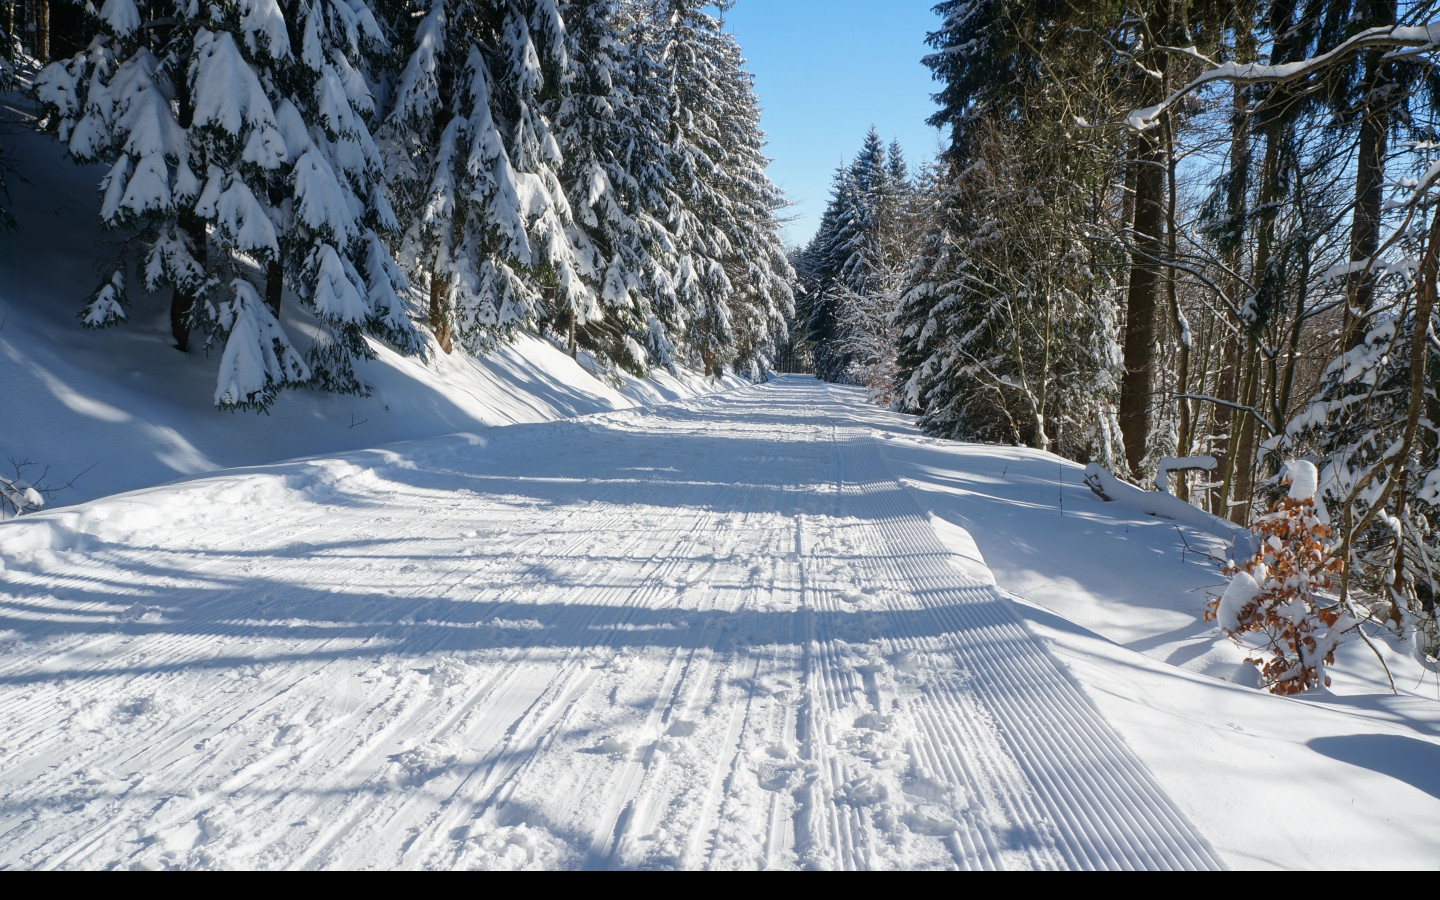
[(1277, 594)]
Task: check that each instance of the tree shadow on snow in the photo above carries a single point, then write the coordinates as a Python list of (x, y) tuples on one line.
[(1407, 759)]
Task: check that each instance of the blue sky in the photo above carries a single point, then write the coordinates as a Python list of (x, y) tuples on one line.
[(826, 70)]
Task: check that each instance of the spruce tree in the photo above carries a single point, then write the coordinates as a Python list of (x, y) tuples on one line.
[(847, 291), (818, 273), (612, 134), (757, 267), (688, 44), (203, 122), (476, 169)]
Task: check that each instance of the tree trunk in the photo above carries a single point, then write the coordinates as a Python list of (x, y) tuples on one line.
[(1369, 188), (274, 287), (574, 350), (1185, 439), (1267, 300), (439, 315), (1224, 418), (709, 364), (1429, 439), (1419, 357), (1127, 200), (1243, 462), (182, 303), (1138, 382), (42, 30), (1228, 387)]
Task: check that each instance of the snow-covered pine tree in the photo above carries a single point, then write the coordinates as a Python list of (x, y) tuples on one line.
[(191, 139), (868, 190), (199, 116), (476, 168), (869, 335), (757, 267), (1007, 328), (818, 278), (612, 132), (332, 206), (686, 39), (934, 320), (846, 260)]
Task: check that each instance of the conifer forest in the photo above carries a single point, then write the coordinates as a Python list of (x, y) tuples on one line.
[(560, 434), (1168, 231)]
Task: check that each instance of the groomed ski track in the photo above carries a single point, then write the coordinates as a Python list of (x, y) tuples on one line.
[(718, 634)]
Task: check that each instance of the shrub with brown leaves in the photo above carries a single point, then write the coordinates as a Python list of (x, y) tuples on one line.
[(1277, 595)]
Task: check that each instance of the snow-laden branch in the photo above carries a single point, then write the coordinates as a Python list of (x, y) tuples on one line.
[(1171, 464), (17, 497), (1240, 406), (1416, 38)]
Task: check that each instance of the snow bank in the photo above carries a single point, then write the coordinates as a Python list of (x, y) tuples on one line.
[(1162, 505)]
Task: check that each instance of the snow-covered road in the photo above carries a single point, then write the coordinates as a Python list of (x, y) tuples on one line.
[(718, 634)]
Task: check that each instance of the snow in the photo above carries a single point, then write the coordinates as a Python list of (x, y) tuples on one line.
[(1118, 595), (1163, 505), (1180, 464), (121, 15), (771, 628), (264, 26), (1304, 479), (257, 354), (1242, 590), (230, 99), (323, 204)]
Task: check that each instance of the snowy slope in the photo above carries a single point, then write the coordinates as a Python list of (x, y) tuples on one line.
[(123, 409), (1344, 778), (755, 630)]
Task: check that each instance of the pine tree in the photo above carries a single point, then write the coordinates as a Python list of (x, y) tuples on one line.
[(757, 267), (1006, 329), (852, 268), (222, 138), (688, 45), (332, 206), (818, 276), (475, 169), (612, 134)]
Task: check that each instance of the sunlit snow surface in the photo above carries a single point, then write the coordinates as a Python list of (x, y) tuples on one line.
[(748, 631), (741, 632)]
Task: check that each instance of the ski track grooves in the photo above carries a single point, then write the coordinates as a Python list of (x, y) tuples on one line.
[(718, 634)]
